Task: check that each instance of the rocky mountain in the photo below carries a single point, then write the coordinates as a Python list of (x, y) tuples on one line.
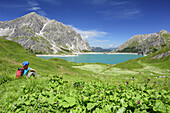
[(145, 44), (43, 36), (99, 49)]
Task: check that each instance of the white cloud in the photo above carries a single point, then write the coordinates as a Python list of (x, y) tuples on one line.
[(112, 46), (35, 8), (120, 14), (33, 3), (89, 34), (102, 41), (96, 38), (54, 2), (42, 13)]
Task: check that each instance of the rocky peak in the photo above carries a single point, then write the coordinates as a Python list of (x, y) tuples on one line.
[(41, 35), (146, 43), (163, 32)]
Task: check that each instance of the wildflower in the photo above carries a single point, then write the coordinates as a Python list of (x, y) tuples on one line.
[(89, 97), (94, 89), (81, 87), (152, 92), (39, 99), (133, 77), (77, 84), (57, 103), (85, 92), (139, 102), (38, 105), (121, 89), (131, 95), (140, 88), (50, 88), (102, 97), (78, 108), (149, 79), (127, 83), (155, 82), (155, 98), (82, 97)]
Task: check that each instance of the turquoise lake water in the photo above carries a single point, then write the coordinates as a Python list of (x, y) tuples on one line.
[(93, 58)]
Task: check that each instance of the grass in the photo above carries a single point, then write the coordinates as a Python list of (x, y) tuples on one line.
[(12, 55)]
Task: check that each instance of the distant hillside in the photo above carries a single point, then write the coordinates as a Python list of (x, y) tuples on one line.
[(99, 49), (43, 36), (147, 43)]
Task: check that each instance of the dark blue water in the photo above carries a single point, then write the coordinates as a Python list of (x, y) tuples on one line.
[(93, 58)]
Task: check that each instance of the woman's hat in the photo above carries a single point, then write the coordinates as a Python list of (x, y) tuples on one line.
[(25, 63)]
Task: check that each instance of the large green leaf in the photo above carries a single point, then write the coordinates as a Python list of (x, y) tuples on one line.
[(51, 100), (121, 110), (159, 106), (91, 105), (144, 107), (70, 100), (137, 111), (108, 107), (65, 104)]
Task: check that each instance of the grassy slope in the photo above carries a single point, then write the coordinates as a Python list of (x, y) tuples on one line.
[(12, 55)]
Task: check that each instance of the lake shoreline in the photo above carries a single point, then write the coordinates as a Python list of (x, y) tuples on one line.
[(77, 54)]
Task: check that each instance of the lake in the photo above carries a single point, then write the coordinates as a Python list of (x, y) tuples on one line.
[(93, 58)]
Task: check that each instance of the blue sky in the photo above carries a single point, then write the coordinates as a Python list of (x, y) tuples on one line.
[(103, 23)]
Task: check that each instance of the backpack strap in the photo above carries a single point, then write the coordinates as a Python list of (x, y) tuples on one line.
[(22, 71)]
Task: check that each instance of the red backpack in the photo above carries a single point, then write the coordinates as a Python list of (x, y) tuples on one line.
[(19, 72)]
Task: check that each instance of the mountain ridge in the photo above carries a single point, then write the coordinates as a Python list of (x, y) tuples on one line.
[(43, 36), (146, 43), (100, 49)]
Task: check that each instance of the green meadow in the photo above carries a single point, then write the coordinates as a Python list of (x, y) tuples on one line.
[(73, 85)]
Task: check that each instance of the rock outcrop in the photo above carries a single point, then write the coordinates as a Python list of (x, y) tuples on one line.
[(145, 44), (43, 36), (162, 55)]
